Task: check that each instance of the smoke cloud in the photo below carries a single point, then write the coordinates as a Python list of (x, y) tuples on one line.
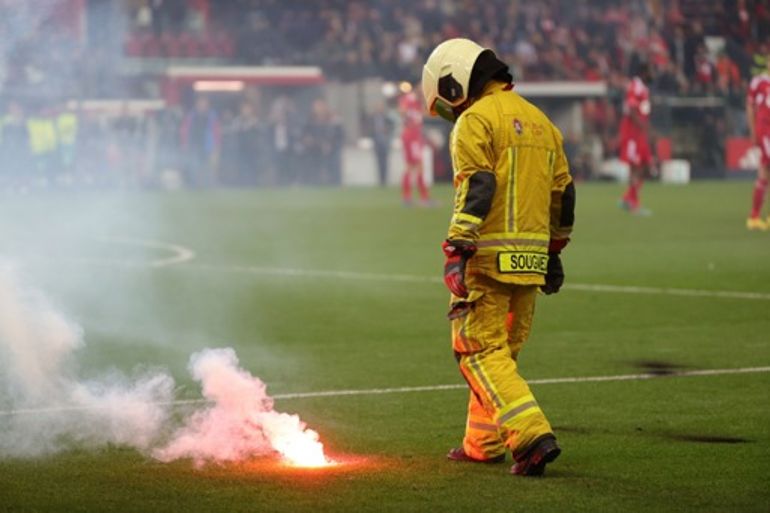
[(45, 407), (241, 423)]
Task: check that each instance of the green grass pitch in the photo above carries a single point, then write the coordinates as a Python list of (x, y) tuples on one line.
[(699, 444)]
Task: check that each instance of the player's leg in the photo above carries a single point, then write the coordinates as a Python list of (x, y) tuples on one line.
[(406, 184), (406, 179), (629, 153), (755, 221), (640, 159), (421, 186), (631, 198)]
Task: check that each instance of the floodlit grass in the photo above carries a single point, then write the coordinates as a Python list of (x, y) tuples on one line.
[(696, 444)]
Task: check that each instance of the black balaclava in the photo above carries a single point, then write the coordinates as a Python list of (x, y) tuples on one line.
[(487, 67)]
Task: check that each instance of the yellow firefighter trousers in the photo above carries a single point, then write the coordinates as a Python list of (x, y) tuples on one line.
[(502, 412)]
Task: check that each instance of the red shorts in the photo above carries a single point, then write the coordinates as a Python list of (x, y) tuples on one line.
[(763, 141), (412, 149), (635, 151)]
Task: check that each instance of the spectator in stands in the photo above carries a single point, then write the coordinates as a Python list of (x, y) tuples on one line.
[(200, 143), (169, 123), (126, 136), (704, 71), (253, 146), (728, 77), (669, 79), (322, 140), (381, 127), (67, 136), (679, 47), (284, 141), (14, 147), (167, 16), (695, 40)]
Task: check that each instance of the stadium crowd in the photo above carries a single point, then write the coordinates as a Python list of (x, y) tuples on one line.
[(42, 64), (546, 40), (250, 144)]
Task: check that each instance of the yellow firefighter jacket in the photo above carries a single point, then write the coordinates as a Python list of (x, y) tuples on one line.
[(504, 134)]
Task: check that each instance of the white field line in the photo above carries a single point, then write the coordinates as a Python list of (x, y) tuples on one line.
[(317, 273), (184, 256), (179, 255), (667, 291), (434, 388), (413, 278)]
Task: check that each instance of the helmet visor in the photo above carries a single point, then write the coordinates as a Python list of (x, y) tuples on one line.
[(444, 110)]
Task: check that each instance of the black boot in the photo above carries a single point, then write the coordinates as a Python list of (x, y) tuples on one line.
[(532, 461)]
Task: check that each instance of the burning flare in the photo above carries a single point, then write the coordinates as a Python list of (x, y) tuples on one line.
[(298, 445), (242, 422)]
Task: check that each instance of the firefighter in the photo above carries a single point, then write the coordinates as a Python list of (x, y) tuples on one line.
[(513, 214)]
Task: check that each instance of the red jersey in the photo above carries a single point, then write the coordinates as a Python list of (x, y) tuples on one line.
[(759, 96), (411, 134), (637, 101), (413, 142), (411, 109)]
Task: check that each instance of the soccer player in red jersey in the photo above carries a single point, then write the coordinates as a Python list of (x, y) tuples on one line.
[(634, 137), (413, 143), (758, 115)]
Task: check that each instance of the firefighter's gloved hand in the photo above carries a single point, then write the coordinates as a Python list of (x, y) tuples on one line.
[(457, 253), (554, 278)]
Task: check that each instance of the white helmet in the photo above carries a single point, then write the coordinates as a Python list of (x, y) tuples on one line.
[(446, 76)]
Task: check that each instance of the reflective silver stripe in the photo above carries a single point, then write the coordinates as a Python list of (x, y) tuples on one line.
[(511, 192), (551, 161), (464, 333), (511, 414), (467, 226), (511, 242), (482, 427), (481, 377)]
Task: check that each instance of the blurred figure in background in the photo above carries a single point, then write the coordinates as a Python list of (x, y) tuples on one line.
[(14, 146), (322, 141), (381, 130), (727, 74), (43, 145), (284, 140), (635, 139), (200, 141), (413, 142), (758, 117), (169, 122), (67, 131), (253, 146)]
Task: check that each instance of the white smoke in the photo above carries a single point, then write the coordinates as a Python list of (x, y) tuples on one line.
[(49, 409), (242, 422), (37, 345)]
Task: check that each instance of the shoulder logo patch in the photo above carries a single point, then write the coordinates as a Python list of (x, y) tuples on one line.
[(517, 126)]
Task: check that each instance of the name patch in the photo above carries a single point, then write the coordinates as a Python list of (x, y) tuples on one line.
[(522, 262)]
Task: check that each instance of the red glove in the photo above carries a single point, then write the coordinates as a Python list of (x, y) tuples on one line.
[(457, 253)]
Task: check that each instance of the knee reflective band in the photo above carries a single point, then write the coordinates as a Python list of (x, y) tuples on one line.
[(523, 407)]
